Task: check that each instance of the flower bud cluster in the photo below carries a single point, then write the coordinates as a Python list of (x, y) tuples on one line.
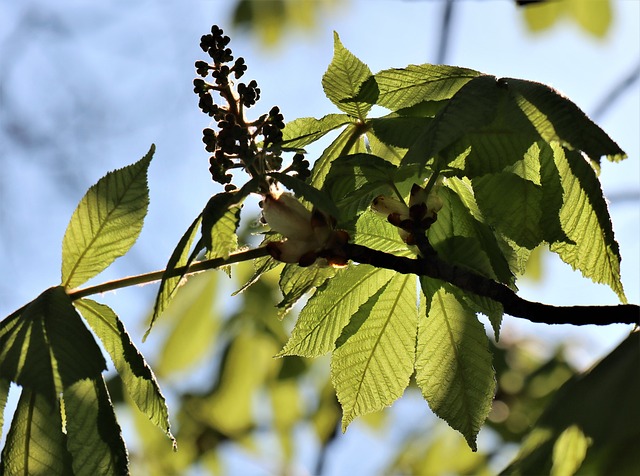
[(235, 142), (310, 236), (417, 217)]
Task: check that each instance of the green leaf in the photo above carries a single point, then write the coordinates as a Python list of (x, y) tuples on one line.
[(94, 438), (35, 442), (406, 87), (305, 130), (374, 358), (585, 219), (459, 218), (224, 239), (329, 309), (4, 394), (344, 80), (180, 257), (136, 375), (347, 142), (317, 197), (355, 180), (195, 322), (569, 452), (611, 427), (453, 362), (556, 118), (374, 231), (512, 205), (475, 105), (106, 223), (296, 281), (399, 131), (46, 347)]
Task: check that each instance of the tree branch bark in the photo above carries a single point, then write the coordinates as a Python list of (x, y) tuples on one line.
[(433, 267)]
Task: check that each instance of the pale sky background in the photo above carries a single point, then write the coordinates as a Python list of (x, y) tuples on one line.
[(86, 88)]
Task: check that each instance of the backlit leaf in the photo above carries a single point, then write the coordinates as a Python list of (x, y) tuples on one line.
[(316, 197), (296, 281), (374, 357), (136, 375), (305, 130), (35, 442), (405, 87), (47, 347), (344, 80), (180, 257), (569, 452), (4, 394), (94, 438), (106, 223), (321, 321), (585, 219), (453, 362), (224, 239)]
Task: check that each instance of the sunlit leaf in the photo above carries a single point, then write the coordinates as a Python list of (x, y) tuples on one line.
[(374, 356), (180, 257), (569, 452), (296, 281), (106, 222), (224, 239), (47, 347), (4, 394), (346, 79), (316, 197), (595, 17), (585, 219), (405, 87), (611, 431), (194, 324), (94, 438), (305, 130), (453, 362), (328, 311), (136, 375), (35, 442)]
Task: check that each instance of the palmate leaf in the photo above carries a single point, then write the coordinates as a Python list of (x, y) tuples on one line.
[(374, 356), (136, 375), (345, 82), (106, 222), (321, 321), (296, 281), (224, 239), (46, 347), (405, 87), (94, 438), (585, 219), (305, 130), (453, 362), (316, 197), (35, 442)]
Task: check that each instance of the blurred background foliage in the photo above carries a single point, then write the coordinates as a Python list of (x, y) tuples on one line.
[(235, 408)]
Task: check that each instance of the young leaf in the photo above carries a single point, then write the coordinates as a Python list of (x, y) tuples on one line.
[(194, 322), (355, 180), (4, 394), (317, 197), (223, 234), (305, 130), (556, 118), (181, 257), (136, 375), (406, 87), (94, 438), (47, 347), (374, 358), (512, 205), (585, 219), (453, 362), (295, 282), (106, 223), (329, 309), (345, 82), (35, 442)]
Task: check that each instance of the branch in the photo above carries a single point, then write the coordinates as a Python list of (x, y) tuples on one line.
[(433, 267), (158, 275)]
